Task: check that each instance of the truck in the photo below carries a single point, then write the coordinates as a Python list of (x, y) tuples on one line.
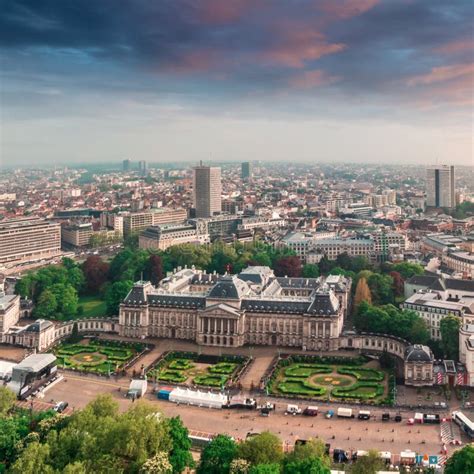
[(344, 412), (364, 415), (311, 411), (293, 410), (239, 402), (434, 419), (266, 406)]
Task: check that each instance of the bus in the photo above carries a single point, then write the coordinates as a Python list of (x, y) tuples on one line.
[(199, 442), (464, 423)]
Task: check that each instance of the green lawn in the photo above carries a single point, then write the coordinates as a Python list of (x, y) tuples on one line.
[(93, 306)]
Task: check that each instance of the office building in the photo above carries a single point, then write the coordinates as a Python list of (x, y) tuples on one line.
[(161, 237), (136, 221), (440, 189), (126, 164), (26, 239), (9, 312), (246, 170), (207, 190), (142, 167)]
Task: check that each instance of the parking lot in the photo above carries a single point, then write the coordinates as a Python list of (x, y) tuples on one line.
[(349, 434)]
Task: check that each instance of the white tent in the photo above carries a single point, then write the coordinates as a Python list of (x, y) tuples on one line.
[(195, 397), (6, 369)]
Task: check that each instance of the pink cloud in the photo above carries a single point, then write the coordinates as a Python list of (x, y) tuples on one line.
[(444, 73), (218, 12), (298, 43), (452, 84), (342, 9), (311, 79), (457, 46)]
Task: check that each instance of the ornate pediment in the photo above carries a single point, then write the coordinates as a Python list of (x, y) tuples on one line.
[(220, 310)]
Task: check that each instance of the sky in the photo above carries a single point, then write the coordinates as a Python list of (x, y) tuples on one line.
[(216, 80)]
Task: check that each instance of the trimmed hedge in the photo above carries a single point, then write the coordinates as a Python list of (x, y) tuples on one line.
[(223, 368), (362, 374), (172, 376), (210, 380), (299, 387), (180, 364), (306, 370), (352, 391)]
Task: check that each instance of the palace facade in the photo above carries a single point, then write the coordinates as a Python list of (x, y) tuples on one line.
[(252, 307)]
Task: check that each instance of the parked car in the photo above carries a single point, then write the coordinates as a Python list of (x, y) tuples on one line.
[(339, 455), (363, 415), (329, 414), (60, 406), (311, 411), (385, 416), (293, 410)]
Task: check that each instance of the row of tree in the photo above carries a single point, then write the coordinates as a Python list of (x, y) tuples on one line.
[(96, 439)]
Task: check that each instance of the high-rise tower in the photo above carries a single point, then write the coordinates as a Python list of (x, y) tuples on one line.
[(207, 190), (440, 188)]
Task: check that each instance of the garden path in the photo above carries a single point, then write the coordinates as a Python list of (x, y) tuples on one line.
[(257, 368), (146, 359)]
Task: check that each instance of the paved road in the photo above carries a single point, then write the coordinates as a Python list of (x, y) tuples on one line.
[(348, 434)]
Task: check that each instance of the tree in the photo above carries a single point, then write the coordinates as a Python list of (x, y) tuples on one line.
[(407, 269), (371, 463), (95, 273), (7, 400), (34, 459), (115, 294), (158, 464), (309, 465), (310, 270), (288, 266), (154, 269), (449, 329), (398, 284), (217, 456), (265, 448), (344, 261), (381, 288), (47, 305), (239, 466), (273, 468), (180, 456), (362, 293), (325, 265), (67, 300), (312, 448), (461, 461)]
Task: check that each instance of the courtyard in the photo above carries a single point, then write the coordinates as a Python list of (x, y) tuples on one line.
[(340, 379), (193, 369), (103, 357)]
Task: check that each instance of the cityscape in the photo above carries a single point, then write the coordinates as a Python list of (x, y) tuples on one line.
[(186, 299)]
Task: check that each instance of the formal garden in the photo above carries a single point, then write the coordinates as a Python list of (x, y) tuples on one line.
[(102, 357), (330, 378), (192, 369)]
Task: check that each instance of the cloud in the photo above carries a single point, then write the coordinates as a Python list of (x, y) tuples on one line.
[(346, 8), (311, 79), (219, 12), (296, 43), (452, 84), (457, 46)]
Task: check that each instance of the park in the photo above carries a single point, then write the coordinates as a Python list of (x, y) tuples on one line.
[(191, 368), (100, 357), (343, 379)]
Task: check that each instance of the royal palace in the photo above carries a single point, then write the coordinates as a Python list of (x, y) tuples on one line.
[(252, 307)]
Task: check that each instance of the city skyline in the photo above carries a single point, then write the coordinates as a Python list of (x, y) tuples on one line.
[(349, 81)]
